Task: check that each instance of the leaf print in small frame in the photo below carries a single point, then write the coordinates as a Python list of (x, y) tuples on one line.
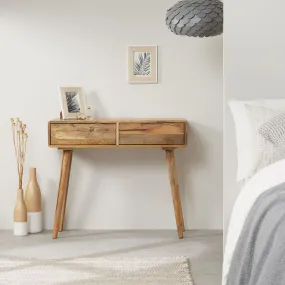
[(72, 102), (142, 64)]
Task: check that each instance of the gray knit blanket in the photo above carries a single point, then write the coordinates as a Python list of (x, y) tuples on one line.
[(259, 257)]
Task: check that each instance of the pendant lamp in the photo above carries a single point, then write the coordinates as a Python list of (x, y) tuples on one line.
[(196, 18)]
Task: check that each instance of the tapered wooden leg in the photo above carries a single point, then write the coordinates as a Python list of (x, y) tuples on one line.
[(62, 190), (65, 193), (170, 158)]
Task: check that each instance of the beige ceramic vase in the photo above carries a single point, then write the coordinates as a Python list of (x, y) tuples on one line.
[(33, 199), (20, 215)]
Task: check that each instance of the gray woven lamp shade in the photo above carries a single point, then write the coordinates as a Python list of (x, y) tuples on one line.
[(196, 18)]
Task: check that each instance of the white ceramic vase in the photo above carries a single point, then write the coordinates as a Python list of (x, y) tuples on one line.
[(34, 203), (20, 215), (20, 229)]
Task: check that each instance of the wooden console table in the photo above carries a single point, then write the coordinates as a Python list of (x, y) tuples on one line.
[(68, 135)]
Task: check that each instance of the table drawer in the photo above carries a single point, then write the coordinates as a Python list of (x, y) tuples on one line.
[(156, 133), (83, 134)]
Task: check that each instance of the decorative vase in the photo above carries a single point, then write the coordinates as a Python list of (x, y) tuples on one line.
[(33, 199), (20, 215)]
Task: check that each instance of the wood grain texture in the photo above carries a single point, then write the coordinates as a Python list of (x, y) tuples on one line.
[(152, 128), (63, 185), (152, 139), (164, 133), (121, 133), (117, 133), (73, 134), (68, 169), (170, 158)]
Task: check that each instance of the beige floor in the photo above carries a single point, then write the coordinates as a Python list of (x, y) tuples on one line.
[(203, 248)]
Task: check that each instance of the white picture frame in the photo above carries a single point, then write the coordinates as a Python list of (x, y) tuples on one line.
[(142, 64), (72, 102)]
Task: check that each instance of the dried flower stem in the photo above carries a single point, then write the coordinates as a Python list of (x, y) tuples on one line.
[(20, 142)]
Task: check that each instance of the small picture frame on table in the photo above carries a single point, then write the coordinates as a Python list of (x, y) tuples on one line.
[(72, 102)]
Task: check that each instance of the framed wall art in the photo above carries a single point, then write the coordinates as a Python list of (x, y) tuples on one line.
[(142, 64), (72, 102)]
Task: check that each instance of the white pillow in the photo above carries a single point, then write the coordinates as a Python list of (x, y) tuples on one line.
[(264, 151), (244, 135), (274, 131)]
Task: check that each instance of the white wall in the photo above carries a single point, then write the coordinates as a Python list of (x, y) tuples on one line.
[(254, 67), (51, 43)]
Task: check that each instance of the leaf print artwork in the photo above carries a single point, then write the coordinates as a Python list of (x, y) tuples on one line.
[(142, 65), (72, 99)]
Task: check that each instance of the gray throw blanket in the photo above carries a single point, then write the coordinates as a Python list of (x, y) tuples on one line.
[(259, 257)]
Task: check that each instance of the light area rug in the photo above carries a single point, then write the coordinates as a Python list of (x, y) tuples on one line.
[(101, 271)]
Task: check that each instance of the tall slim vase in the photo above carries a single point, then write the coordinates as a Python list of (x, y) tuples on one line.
[(33, 199), (20, 215)]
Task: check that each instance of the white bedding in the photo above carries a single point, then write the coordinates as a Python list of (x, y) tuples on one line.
[(266, 178)]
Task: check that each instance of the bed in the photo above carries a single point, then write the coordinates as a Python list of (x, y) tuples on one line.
[(255, 245)]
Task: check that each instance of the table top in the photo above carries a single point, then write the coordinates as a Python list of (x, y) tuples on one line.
[(115, 120)]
